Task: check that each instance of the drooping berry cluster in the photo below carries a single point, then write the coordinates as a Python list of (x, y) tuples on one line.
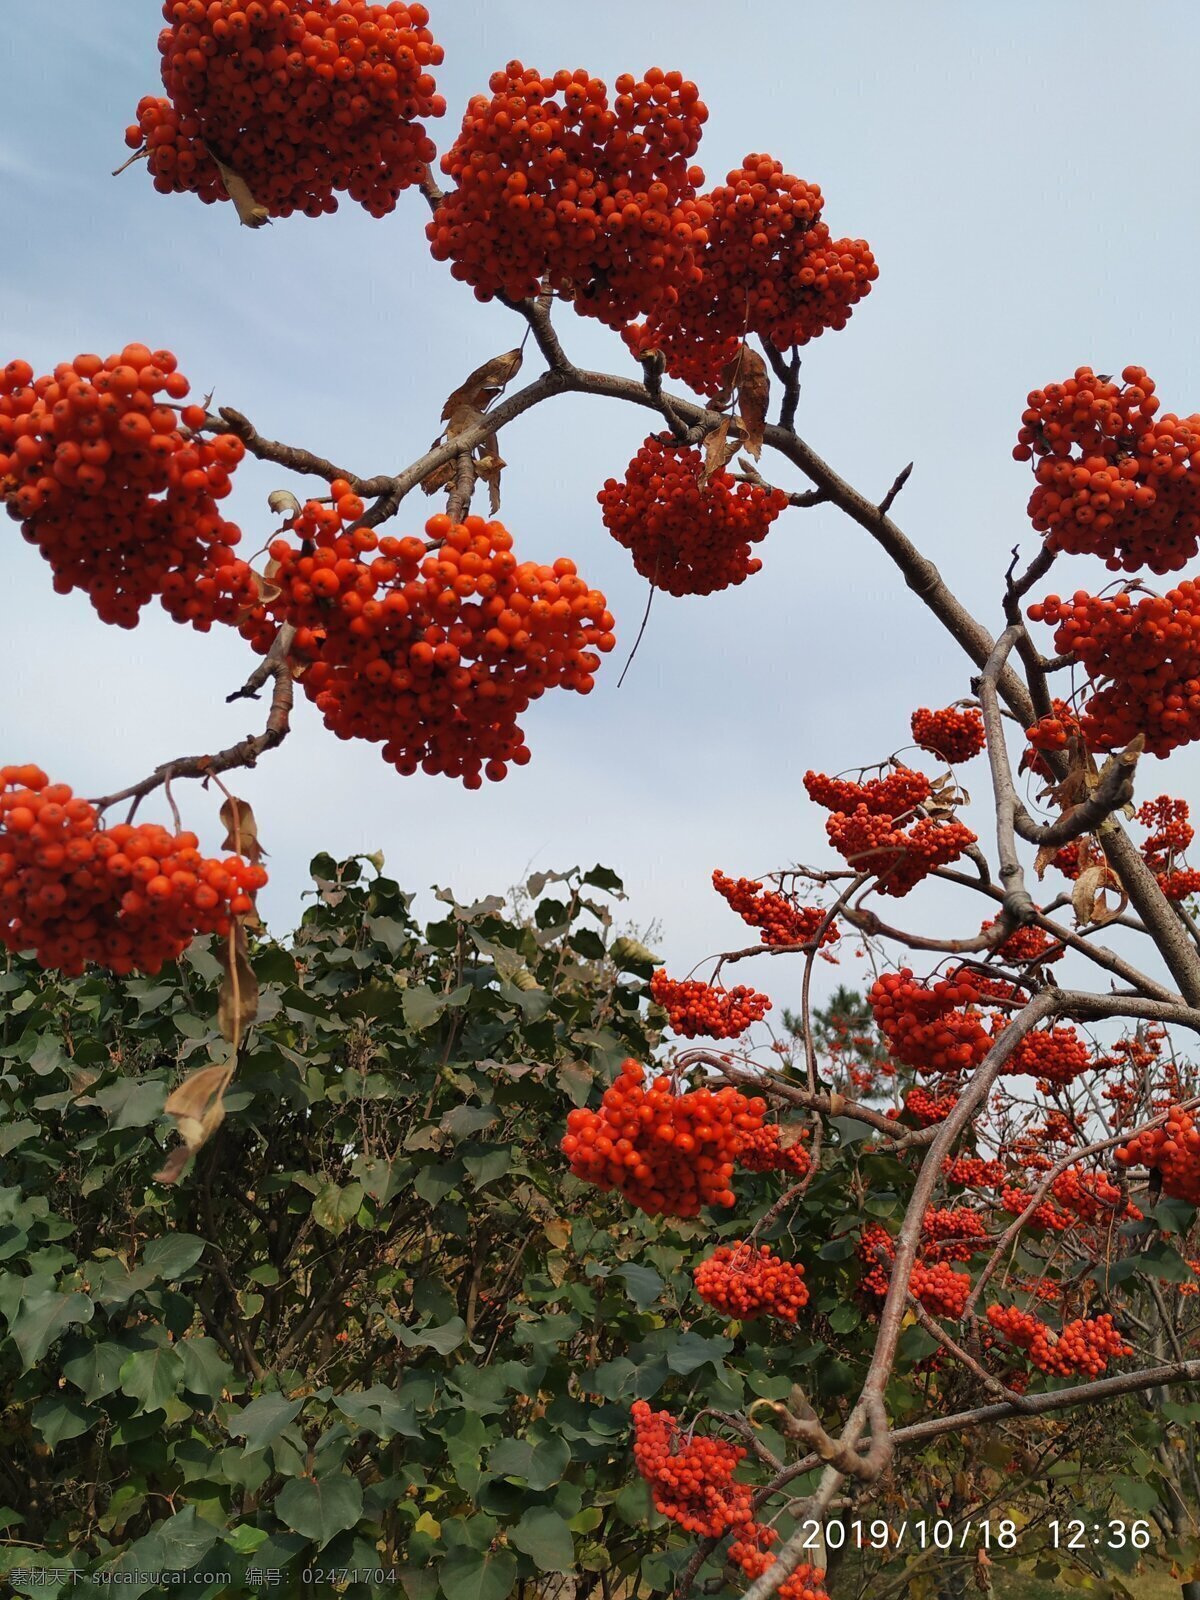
[(928, 1108), (699, 1011), (691, 1480), (125, 898), (431, 651), (1143, 661), (942, 1291), (1170, 835), (775, 1149), (896, 794), (743, 1282), (954, 734), (1053, 1055), (556, 183), (946, 1237), (1026, 945), (771, 268), (1083, 1347), (116, 492), (876, 827), (1173, 1149), (1112, 481), (687, 538), (753, 1557), (973, 1172), (780, 922), (302, 99), (668, 1153), (931, 1027)]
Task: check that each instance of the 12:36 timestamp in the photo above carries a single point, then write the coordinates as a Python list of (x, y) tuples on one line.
[(1079, 1534)]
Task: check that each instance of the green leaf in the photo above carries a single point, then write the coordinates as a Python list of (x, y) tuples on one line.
[(851, 1130), (1136, 1493), (478, 1575), (605, 878), (186, 1539), (40, 1320), (691, 1351), (172, 1255), (543, 1535), (13, 1134), (60, 1416), (320, 1509), (265, 1419), (422, 1008), (334, 1208), (205, 1370), (153, 1377), (443, 1339), (379, 1410), (133, 1102), (642, 1284), (97, 1370)]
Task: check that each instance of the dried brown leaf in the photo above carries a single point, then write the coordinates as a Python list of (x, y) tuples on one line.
[(198, 1109), (489, 468), (719, 450), (284, 503), (1087, 895), (440, 478), (463, 417), (753, 398), (241, 830), (484, 384), (1045, 858), (251, 213), (237, 1004)]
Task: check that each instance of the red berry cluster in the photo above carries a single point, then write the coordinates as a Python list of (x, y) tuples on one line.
[(1112, 481), (84, 453), (780, 922), (1045, 1215), (942, 1291), (973, 1172), (301, 98), (751, 1556), (771, 268), (687, 538), (669, 1154), (555, 184), (896, 794), (928, 1108), (900, 856), (698, 1011), (431, 651), (1143, 660), (1091, 1197), (931, 1027), (951, 1233), (691, 1480), (954, 734), (1083, 1347), (743, 1282), (126, 898), (1026, 945), (933, 1281), (1173, 1150), (1170, 835), (765, 1150), (1053, 1055)]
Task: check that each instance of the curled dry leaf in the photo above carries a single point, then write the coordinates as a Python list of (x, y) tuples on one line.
[(720, 447), (753, 398), (1089, 896), (484, 384), (488, 467), (237, 1003), (251, 214), (241, 830), (198, 1109), (284, 503), (441, 477)]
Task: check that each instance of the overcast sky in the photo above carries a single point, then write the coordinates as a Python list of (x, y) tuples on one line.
[(1024, 175)]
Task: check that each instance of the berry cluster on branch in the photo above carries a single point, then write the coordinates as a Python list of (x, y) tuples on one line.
[(742, 1281), (691, 1479), (669, 1154), (687, 536), (698, 1010), (954, 733), (774, 915), (299, 99), (128, 899), (1172, 1149), (116, 490), (930, 1027), (1080, 1348), (774, 1149)]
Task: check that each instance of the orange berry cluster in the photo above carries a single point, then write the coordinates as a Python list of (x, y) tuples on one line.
[(555, 184), (1045, 1215), (894, 795), (933, 1281), (1025, 945), (771, 268), (743, 1282), (928, 1108), (901, 857), (973, 1172), (1053, 1055), (691, 1480), (1173, 1150), (1143, 660), (930, 1027), (301, 98), (954, 734), (1091, 1197), (1083, 1347), (1112, 481), (83, 454), (431, 651), (764, 1150), (699, 1011), (669, 1154), (780, 922), (942, 1291), (126, 898), (687, 539), (1170, 835), (951, 1233), (749, 1552)]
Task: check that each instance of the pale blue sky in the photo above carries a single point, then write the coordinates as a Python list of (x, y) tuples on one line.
[(1024, 175)]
